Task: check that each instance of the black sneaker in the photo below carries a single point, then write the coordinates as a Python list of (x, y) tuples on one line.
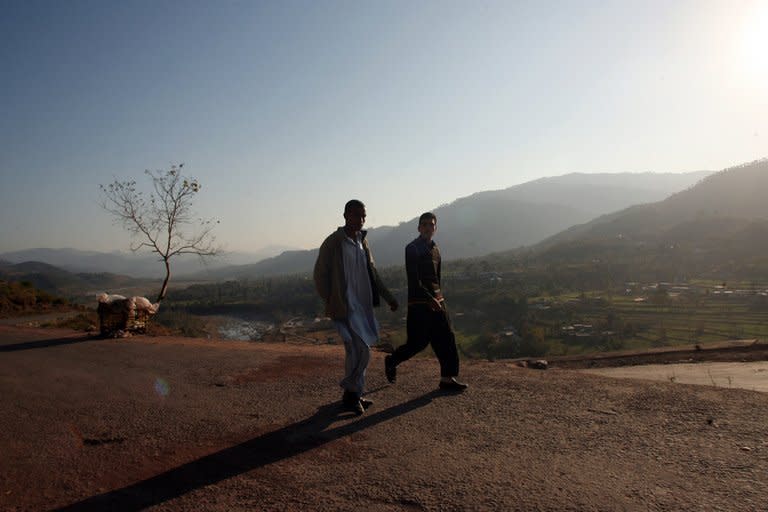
[(351, 402), (356, 408), (390, 369), (453, 385)]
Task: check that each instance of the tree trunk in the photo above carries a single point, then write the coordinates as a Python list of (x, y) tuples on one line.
[(164, 288)]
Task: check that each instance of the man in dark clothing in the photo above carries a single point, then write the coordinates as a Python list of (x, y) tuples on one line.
[(428, 321)]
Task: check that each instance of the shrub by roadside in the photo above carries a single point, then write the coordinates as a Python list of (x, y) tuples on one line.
[(171, 321), (86, 321), (20, 297)]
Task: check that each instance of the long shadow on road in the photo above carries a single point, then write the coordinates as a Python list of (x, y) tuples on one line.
[(274, 446), (29, 345)]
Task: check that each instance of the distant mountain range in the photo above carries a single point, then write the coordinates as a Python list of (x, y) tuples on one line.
[(499, 220), (133, 264), (735, 193), (723, 220), (61, 282), (714, 221), (479, 224)]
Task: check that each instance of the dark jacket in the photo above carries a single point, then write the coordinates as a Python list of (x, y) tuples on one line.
[(422, 266), (331, 283)]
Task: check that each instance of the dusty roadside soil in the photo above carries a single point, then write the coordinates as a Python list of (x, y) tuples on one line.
[(181, 424)]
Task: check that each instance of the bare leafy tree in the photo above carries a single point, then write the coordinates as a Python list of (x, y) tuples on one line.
[(163, 220)]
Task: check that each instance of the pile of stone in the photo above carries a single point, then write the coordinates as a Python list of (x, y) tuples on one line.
[(120, 316)]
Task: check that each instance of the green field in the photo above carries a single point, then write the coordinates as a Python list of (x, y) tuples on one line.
[(642, 320)]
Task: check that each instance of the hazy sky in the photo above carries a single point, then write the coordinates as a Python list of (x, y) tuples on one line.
[(284, 110)]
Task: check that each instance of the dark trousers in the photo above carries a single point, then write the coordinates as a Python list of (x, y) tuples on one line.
[(427, 327)]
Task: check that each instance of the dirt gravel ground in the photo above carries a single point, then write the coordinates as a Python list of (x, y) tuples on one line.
[(178, 424)]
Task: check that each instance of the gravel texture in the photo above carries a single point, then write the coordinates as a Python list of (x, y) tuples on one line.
[(194, 425)]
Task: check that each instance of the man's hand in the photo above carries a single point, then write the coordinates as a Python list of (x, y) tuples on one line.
[(435, 304)]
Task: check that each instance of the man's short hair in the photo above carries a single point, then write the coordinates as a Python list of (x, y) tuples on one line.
[(427, 217), (353, 203)]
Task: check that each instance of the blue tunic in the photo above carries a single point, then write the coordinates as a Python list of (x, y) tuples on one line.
[(360, 317)]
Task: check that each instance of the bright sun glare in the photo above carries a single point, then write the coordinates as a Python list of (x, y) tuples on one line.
[(755, 43)]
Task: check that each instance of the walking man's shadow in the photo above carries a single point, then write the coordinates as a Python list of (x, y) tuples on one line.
[(252, 454)]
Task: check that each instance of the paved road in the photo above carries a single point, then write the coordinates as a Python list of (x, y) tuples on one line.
[(746, 375)]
